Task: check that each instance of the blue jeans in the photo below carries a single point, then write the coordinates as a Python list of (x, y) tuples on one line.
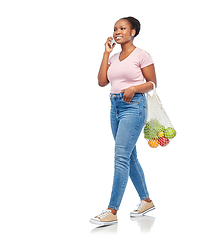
[(127, 121)]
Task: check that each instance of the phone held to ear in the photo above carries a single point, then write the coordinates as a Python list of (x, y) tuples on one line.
[(113, 42)]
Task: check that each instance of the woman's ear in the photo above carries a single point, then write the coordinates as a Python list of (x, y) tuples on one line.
[(133, 32)]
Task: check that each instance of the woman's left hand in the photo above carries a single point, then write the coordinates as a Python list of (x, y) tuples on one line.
[(128, 94)]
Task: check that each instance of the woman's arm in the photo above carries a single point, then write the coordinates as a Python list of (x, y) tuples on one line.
[(150, 76), (102, 75)]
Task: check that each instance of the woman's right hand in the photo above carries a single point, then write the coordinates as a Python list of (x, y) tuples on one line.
[(108, 48)]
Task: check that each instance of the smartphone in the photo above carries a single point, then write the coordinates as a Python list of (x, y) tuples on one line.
[(113, 42)]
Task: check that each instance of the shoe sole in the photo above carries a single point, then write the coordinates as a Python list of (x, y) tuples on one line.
[(102, 223), (141, 214)]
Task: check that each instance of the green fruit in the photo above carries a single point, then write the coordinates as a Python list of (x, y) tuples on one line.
[(152, 128), (170, 132), (151, 134), (162, 128)]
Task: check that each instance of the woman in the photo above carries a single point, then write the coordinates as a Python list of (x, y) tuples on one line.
[(126, 72)]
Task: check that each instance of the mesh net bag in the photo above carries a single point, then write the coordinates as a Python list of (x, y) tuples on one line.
[(158, 130)]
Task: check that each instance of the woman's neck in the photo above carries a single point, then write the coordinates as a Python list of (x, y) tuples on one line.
[(127, 47)]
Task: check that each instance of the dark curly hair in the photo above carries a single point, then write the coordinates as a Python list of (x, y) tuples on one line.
[(135, 24)]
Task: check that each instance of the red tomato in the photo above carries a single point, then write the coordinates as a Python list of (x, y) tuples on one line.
[(163, 141)]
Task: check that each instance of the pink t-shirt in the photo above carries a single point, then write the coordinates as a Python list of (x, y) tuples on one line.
[(127, 73)]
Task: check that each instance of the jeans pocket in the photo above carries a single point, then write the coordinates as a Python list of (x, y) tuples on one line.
[(133, 101)]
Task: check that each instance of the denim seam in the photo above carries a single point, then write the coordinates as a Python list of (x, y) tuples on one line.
[(115, 108), (135, 128), (122, 187), (143, 185), (112, 207)]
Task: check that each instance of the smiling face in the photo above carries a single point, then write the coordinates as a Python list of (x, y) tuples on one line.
[(123, 32)]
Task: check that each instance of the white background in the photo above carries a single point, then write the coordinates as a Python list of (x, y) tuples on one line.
[(56, 147)]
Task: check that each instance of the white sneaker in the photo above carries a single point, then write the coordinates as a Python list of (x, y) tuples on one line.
[(142, 208), (105, 218)]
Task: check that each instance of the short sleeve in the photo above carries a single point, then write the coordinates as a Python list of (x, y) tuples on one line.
[(112, 58), (145, 60)]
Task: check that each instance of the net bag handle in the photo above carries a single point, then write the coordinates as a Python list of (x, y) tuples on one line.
[(154, 88), (155, 95)]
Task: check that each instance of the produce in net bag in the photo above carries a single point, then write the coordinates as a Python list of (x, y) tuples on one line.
[(158, 130)]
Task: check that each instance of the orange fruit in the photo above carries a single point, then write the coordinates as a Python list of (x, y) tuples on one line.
[(154, 143)]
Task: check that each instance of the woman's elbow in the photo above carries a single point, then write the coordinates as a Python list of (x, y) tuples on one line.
[(103, 83)]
